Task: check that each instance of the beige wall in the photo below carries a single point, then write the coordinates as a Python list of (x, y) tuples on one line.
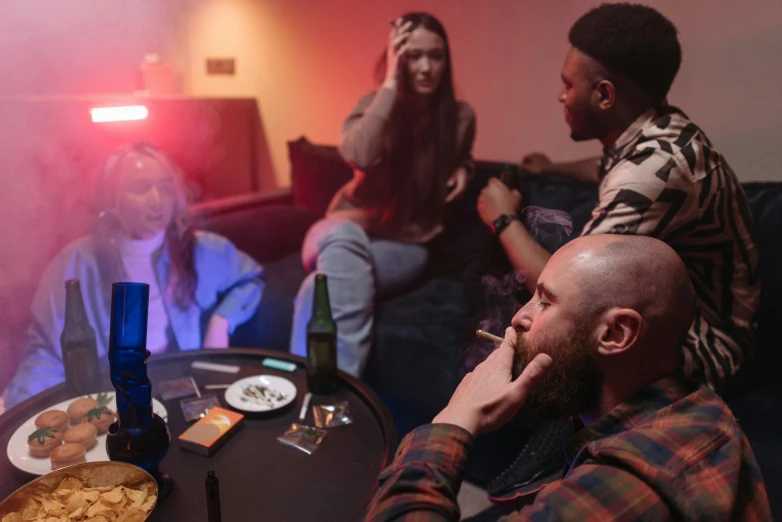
[(308, 62), (84, 47), (60, 48)]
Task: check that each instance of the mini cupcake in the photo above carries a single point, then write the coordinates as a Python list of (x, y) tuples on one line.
[(84, 434), (43, 441), (67, 454), (78, 409), (101, 418), (52, 419)]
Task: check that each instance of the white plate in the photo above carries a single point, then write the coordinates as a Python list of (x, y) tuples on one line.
[(20, 457), (283, 392)]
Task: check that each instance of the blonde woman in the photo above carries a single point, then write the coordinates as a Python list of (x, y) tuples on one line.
[(201, 286)]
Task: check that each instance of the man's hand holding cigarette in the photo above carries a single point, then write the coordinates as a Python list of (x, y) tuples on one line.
[(487, 398)]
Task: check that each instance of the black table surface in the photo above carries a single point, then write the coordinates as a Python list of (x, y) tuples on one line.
[(260, 479)]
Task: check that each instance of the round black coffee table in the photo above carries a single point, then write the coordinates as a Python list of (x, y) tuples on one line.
[(260, 479)]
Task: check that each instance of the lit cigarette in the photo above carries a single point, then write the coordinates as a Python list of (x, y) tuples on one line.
[(487, 335)]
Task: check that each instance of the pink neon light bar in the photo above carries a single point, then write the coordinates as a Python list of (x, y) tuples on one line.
[(126, 113)]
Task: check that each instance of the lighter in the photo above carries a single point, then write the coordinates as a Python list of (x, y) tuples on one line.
[(212, 497)]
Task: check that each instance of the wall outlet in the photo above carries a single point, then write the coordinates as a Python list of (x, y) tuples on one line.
[(226, 66)]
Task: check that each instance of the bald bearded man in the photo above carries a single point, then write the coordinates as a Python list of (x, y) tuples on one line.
[(601, 339)]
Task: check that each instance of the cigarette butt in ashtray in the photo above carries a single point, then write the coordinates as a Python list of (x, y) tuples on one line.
[(489, 336)]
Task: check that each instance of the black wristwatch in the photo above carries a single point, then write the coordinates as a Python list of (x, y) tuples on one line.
[(502, 222)]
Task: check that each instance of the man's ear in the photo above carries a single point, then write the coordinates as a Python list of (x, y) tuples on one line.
[(619, 331), (606, 91)]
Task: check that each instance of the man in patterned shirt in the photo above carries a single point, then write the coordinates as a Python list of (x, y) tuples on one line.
[(601, 338), (660, 176)]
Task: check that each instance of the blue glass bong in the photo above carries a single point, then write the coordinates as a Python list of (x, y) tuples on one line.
[(140, 437)]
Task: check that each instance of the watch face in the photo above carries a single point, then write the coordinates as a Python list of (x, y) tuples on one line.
[(501, 223)]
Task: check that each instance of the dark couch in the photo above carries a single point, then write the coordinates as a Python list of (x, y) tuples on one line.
[(415, 362)]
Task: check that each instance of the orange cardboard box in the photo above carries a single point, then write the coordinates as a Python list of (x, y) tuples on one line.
[(208, 434)]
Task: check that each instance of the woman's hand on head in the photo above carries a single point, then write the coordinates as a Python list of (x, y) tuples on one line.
[(397, 45)]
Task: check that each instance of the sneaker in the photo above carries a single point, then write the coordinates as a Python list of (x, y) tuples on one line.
[(540, 462)]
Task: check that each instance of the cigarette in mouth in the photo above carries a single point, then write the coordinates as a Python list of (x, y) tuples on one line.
[(487, 335)]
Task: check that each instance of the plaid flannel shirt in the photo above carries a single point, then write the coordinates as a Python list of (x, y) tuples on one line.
[(670, 452)]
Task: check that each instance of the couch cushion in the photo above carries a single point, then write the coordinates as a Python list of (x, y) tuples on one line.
[(414, 364), (765, 201), (464, 238), (757, 411), (317, 172), (265, 233), (558, 193)]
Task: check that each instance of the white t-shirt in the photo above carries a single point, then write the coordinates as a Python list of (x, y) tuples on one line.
[(136, 257)]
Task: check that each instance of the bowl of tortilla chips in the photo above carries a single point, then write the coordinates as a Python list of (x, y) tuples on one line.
[(94, 491)]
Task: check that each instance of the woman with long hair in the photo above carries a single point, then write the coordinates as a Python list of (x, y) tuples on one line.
[(410, 145), (198, 280)]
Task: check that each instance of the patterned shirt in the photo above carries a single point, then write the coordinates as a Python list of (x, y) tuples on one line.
[(663, 178), (669, 452)]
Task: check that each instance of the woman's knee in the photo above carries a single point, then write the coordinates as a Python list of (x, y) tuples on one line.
[(333, 233)]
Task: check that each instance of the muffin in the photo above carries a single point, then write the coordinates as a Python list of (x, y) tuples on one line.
[(79, 408), (84, 434), (67, 454), (43, 441), (101, 418), (52, 419)]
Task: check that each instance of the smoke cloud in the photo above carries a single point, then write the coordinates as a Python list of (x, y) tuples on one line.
[(504, 297), (507, 295), (57, 57), (549, 226)]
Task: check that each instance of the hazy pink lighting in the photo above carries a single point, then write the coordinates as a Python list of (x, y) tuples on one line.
[(127, 113)]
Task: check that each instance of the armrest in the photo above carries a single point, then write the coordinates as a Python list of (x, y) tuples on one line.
[(282, 196)]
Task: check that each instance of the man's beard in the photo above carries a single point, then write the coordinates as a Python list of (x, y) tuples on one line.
[(585, 131), (584, 125), (571, 385), (579, 135)]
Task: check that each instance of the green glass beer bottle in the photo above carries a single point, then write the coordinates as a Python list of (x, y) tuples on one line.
[(509, 177), (322, 375), (79, 344)]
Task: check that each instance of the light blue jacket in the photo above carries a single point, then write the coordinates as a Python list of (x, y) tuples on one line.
[(229, 284)]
